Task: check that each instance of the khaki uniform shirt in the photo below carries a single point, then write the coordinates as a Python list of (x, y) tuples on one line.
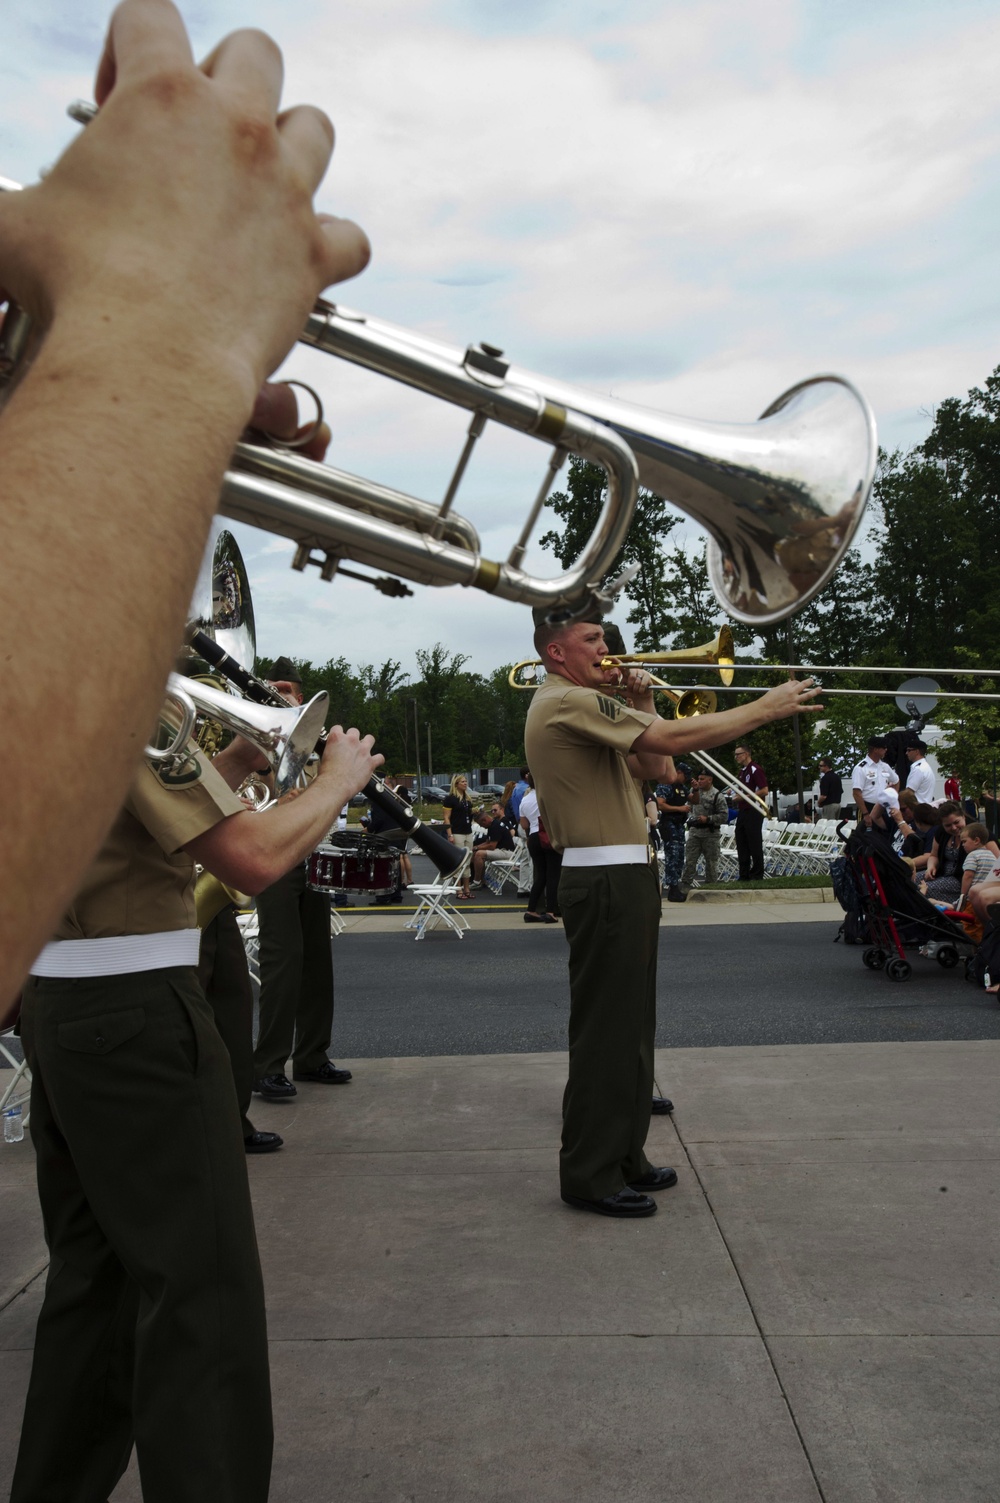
[(577, 741), (142, 882)]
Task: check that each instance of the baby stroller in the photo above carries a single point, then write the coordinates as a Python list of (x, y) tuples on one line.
[(897, 915)]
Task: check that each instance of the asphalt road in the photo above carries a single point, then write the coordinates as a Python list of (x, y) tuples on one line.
[(506, 993)]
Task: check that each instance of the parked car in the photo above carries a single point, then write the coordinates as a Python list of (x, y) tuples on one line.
[(433, 794), (490, 790)]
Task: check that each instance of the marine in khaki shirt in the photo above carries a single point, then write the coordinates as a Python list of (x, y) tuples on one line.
[(157, 1335), (142, 881), (578, 741), (587, 752)]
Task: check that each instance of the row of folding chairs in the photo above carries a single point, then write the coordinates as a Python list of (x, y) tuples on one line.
[(789, 850)]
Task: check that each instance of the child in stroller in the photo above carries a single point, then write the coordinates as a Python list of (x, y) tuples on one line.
[(899, 917)]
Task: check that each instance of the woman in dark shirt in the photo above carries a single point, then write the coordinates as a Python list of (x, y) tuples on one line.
[(458, 823), (944, 864)]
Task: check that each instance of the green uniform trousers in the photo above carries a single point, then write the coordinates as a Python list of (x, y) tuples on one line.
[(704, 844), (225, 979), (152, 1328), (611, 915), (296, 976)]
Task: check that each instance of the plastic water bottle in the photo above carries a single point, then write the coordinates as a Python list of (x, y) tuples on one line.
[(13, 1124)]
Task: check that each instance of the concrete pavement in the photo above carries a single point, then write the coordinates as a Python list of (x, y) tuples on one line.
[(812, 1314)]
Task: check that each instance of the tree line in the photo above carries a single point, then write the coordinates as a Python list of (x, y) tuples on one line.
[(924, 592)]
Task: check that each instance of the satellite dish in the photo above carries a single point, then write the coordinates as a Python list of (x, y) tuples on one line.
[(919, 693)]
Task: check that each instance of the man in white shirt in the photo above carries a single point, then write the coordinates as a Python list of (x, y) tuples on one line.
[(920, 777), (871, 776)]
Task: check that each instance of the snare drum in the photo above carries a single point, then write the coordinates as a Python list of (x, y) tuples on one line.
[(332, 869)]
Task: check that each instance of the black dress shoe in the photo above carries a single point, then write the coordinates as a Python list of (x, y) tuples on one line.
[(656, 1179), (262, 1142), (327, 1074), (624, 1203), (676, 895), (274, 1087), (662, 1106)]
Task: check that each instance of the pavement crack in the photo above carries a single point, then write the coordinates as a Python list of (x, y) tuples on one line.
[(753, 1313)]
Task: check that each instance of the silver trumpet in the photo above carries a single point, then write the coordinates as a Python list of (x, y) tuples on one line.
[(781, 498), (286, 735)]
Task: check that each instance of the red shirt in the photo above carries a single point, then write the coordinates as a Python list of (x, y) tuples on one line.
[(952, 790)]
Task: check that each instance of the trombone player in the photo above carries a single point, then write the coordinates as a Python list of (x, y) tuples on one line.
[(587, 749)]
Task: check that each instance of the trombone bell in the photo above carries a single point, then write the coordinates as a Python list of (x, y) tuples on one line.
[(719, 653)]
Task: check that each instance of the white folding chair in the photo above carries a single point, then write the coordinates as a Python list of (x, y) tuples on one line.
[(17, 1090), (496, 874), (434, 904), (249, 927)]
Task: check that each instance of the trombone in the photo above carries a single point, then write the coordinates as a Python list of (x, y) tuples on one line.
[(718, 653)]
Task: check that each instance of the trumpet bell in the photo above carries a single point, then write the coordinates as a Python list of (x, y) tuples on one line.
[(287, 736)]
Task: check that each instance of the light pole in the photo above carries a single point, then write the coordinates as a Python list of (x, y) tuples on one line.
[(796, 742), (430, 764), (416, 742)]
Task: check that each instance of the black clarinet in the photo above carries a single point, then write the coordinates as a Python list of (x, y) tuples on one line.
[(445, 856)]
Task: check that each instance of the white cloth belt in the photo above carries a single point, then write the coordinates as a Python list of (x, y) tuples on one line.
[(606, 855), (119, 955)]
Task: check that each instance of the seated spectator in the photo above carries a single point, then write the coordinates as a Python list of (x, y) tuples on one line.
[(496, 845), (944, 883), (887, 815), (924, 821), (980, 862)]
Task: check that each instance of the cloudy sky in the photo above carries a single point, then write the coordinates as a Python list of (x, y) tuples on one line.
[(692, 205)]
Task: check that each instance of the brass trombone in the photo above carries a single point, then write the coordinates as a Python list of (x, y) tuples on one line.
[(718, 653)]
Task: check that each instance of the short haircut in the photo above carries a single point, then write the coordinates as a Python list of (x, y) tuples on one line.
[(877, 741), (976, 832), (544, 636), (927, 814), (825, 762), (524, 772), (915, 744), (743, 746)]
